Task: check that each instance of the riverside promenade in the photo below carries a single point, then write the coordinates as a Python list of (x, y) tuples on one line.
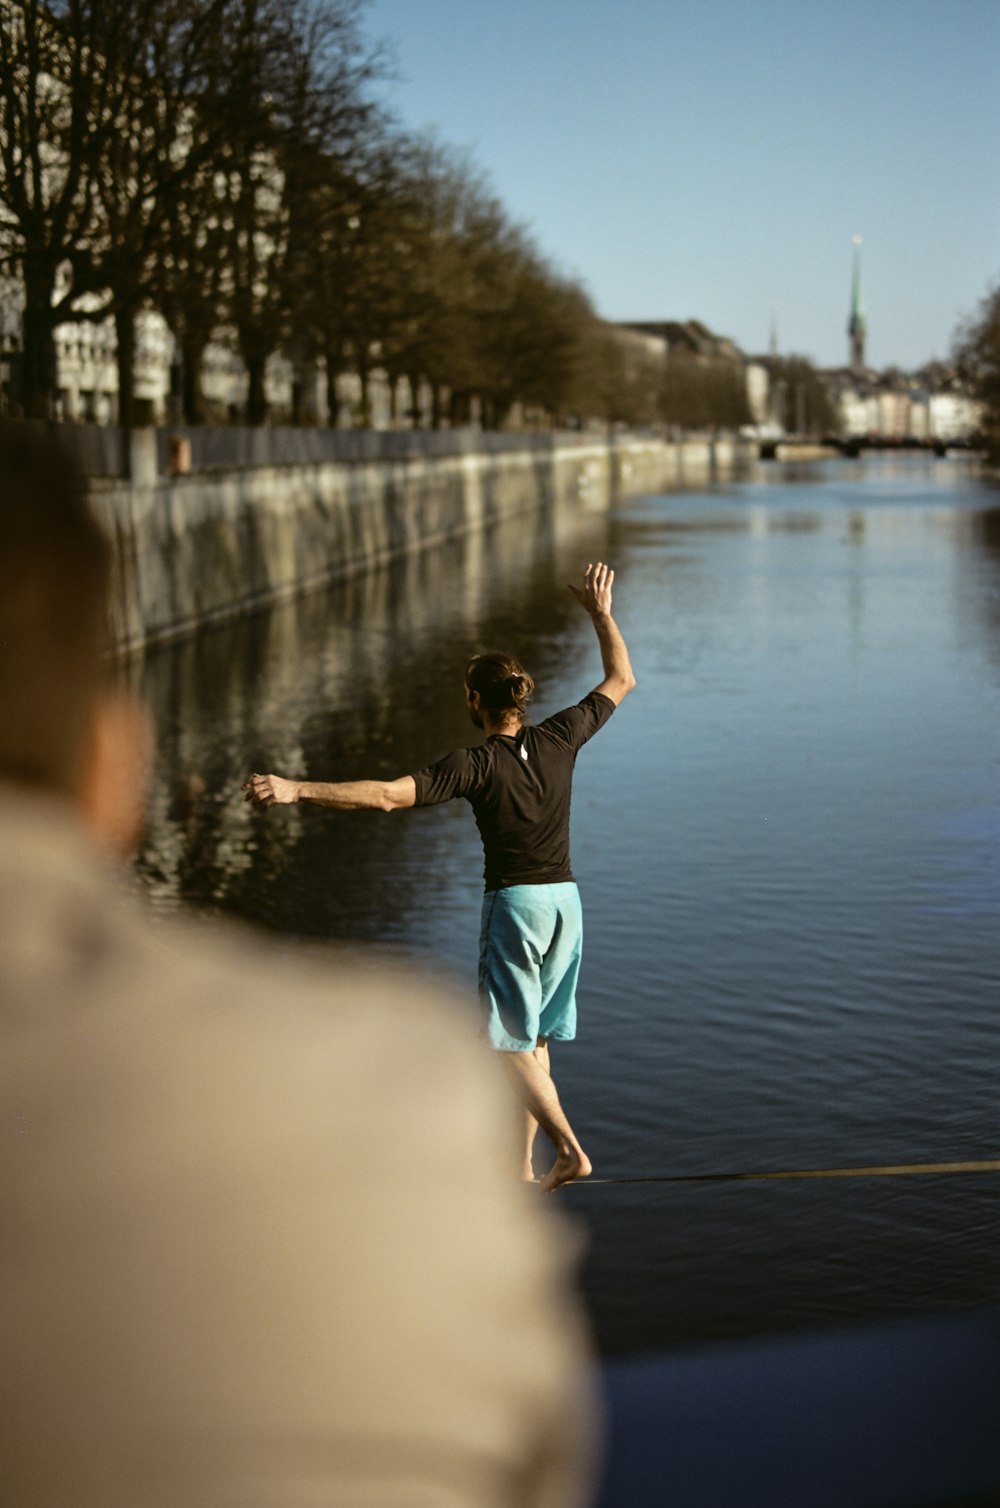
[(211, 524)]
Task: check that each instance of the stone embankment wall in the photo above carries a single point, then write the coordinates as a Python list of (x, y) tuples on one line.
[(194, 549)]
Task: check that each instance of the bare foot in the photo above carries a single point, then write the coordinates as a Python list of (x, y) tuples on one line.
[(570, 1164)]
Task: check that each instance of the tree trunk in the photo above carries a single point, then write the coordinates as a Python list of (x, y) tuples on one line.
[(332, 396), (37, 377), (256, 401), (304, 410), (416, 412), (192, 349), (125, 359), (460, 409), (364, 375)]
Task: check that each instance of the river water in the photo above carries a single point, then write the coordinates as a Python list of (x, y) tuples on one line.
[(787, 840)]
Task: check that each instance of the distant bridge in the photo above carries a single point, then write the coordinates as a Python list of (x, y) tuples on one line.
[(802, 447)]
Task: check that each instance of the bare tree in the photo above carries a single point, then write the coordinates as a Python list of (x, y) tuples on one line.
[(699, 393), (619, 385), (806, 407), (351, 302), (296, 102), (977, 353), (185, 283), (96, 136)]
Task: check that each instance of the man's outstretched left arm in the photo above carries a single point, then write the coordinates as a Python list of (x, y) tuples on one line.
[(341, 796)]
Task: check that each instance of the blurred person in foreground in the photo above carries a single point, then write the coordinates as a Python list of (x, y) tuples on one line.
[(519, 784), (259, 1242)]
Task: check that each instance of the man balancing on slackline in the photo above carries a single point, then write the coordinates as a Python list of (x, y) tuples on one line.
[(518, 784)]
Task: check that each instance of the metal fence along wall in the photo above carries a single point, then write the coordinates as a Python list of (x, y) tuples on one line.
[(108, 451), (217, 448), (101, 449)]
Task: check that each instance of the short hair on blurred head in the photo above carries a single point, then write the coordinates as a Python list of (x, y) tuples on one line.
[(55, 569)]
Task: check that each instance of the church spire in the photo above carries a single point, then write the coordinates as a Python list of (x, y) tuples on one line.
[(857, 325)]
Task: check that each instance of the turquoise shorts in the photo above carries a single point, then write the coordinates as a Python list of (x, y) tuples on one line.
[(530, 946)]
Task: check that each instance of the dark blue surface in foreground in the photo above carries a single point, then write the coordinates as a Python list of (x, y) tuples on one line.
[(906, 1416)]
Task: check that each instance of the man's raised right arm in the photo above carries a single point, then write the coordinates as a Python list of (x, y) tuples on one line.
[(595, 598), (341, 796)]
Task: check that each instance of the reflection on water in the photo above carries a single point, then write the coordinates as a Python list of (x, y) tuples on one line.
[(787, 842)]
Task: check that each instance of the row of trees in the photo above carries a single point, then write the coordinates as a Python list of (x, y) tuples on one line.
[(695, 393), (225, 162)]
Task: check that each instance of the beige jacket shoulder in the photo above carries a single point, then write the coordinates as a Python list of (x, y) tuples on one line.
[(261, 1244)]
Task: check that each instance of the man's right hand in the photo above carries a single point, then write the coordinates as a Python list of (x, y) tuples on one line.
[(595, 597), (595, 594), (271, 790)]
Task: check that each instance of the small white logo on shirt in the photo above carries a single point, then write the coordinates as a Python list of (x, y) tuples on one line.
[(524, 752)]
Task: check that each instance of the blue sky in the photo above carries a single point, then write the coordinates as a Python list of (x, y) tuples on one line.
[(712, 159)]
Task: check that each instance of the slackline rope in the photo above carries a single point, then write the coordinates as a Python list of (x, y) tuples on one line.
[(890, 1170)]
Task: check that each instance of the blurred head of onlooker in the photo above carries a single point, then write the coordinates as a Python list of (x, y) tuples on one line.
[(65, 730)]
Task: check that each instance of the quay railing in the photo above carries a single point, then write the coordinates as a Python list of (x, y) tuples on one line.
[(109, 451)]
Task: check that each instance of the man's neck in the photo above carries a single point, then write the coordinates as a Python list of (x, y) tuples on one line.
[(508, 726)]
